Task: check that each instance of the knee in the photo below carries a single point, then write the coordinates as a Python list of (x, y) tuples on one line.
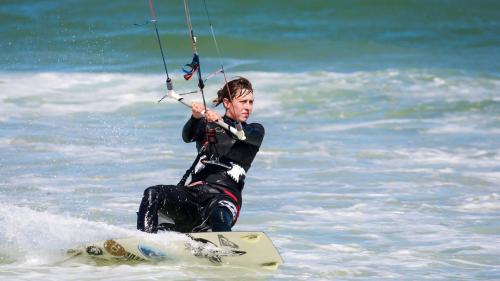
[(151, 191), (221, 219)]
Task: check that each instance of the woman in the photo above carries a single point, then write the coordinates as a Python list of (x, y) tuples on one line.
[(212, 200)]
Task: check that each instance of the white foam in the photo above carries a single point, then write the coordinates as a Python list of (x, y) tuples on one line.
[(362, 125), (351, 248), (69, 93), (485, 203), (472, 157), (38, 236)]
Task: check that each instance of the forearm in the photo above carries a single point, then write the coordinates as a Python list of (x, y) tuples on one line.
[(193, 129)]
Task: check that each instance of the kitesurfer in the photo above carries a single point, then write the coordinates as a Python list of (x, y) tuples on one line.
[(213, 198)]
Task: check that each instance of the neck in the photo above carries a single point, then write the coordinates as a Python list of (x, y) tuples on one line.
[(229, 117), (233, 119)]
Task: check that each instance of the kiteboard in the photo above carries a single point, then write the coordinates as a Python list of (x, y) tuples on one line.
[(248, 249)]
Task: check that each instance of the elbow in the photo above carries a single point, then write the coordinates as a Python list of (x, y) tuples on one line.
[(186, 138)]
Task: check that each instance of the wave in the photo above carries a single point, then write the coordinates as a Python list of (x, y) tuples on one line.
[(484, 203), (37, 237), (414, 100)]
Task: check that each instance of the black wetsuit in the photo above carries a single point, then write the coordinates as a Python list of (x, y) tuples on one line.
[(213, 198)]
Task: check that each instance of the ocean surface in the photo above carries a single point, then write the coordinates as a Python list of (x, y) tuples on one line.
[(381, 159)]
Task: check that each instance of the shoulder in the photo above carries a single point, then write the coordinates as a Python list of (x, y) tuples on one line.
[(257, 127), (254, 133)]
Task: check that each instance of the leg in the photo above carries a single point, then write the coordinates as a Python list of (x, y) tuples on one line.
[(147, 217), (221, 219), (172, 200), (219, 211)]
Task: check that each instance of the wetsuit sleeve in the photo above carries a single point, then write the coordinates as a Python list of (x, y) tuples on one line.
[(254, 134), (193, 129)]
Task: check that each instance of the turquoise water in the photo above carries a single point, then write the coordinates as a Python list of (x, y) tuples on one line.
[(254, 35), (381, 159)]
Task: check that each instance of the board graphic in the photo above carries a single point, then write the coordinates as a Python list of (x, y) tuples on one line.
[(248, 249)]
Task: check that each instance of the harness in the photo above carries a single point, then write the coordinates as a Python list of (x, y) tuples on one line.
[(208, 155)]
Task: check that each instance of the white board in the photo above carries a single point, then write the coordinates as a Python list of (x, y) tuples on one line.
[(248, 249)]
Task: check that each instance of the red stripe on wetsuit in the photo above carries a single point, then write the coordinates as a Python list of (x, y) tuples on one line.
[(227, 192)]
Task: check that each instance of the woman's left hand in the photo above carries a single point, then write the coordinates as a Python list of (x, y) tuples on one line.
[(212, 116)]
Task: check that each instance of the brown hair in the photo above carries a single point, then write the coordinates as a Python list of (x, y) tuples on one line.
[(233, 86)]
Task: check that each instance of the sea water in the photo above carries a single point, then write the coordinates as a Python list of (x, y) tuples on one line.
[(381, 159)]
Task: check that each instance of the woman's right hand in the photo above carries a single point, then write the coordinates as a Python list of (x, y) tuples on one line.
[(198, 110)]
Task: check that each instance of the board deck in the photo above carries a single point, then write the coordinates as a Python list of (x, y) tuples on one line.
[(248, 249)]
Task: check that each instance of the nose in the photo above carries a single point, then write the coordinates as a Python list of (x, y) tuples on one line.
[(247, 105)]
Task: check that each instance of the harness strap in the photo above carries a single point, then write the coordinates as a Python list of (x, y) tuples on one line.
[(182, 182)]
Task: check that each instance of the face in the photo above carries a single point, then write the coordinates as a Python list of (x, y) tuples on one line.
[(241, 106)]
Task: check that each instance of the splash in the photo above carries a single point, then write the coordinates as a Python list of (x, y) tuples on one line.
[(37, 237)]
